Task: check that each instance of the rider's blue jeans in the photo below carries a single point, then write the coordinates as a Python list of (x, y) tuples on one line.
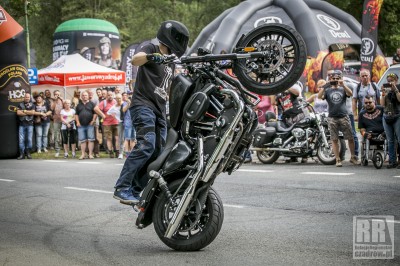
[(151, 133)]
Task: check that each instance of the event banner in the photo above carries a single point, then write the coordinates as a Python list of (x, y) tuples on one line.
[(14, 82), (369, 33), (129, 69)]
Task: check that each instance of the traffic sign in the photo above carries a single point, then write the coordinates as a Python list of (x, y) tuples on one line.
[(33, 76)]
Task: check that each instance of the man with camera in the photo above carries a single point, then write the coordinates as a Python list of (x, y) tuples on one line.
[(338, 119)]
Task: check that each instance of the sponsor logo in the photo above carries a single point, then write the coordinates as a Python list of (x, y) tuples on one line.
[(329, 22), (367, 46), (3, 17), (373, 237), (267, 20), (333, 26)]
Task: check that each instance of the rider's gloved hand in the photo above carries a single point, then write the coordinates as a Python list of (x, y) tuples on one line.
[(156, 58)]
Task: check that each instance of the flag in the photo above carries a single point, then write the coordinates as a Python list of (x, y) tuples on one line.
[(369, 32)]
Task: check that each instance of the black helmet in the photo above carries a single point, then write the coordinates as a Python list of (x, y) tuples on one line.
[(174, 35)]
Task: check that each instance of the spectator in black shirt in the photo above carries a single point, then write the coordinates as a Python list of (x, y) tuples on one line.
[(370, 118), (25, 113), (85, 118)]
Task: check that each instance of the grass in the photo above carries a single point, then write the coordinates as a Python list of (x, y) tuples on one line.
[(50, 155)]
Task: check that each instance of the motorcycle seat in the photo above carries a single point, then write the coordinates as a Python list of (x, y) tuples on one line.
[(172, 139), (280, 126)]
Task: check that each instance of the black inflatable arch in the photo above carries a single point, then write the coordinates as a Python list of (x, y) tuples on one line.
[(320, 24)]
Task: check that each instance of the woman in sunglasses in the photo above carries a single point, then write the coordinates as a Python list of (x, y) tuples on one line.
[(390, 100)]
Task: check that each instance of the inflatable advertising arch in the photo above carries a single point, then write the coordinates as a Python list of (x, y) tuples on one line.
[(325, 29), (14, 82)]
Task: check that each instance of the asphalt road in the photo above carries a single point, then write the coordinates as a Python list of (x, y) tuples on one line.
[(61, 212)]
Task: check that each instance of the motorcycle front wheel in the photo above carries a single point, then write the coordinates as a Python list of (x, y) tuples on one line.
[(199, 226), (285, 56), (267, 157), (326, 155)]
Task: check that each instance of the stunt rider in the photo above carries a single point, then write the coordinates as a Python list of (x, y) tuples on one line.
[(148, 108)]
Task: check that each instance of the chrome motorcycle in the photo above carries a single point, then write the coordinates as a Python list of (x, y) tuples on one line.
[(308, 137), (212, 124)]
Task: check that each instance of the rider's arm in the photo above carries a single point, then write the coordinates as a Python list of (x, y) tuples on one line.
[(139, 59)]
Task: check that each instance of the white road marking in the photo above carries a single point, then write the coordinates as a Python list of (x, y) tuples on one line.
[(393, 221), (90, 162), (325, 173), (119, 164), (89, 190), (55, 161), (109, 192), (7, 180), (254, 171), (234, 206), (396, 176)]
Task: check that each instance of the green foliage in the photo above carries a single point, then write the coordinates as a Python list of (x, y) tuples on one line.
[(389, 17), (138, 20)]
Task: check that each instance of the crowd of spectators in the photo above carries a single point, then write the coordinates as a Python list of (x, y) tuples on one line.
[(100, 120), (91, 121)]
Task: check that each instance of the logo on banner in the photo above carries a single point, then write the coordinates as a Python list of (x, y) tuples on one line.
[(367, 46), (373, 237), (267, 20), (334, 26), (2, 16), (329, 22)]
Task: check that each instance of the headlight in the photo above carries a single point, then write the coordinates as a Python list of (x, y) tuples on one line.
[(298, 133)]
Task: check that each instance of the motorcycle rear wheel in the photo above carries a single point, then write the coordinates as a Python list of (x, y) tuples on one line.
[(283, 63), (267, 157), (194, 233)]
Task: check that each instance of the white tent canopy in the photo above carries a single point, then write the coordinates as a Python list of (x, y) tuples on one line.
[(74, 71)]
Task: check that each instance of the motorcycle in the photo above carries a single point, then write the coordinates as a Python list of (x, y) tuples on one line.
[(212, 124), (307, 137)]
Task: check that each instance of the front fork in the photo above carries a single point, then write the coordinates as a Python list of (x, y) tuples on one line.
[(323, 136)]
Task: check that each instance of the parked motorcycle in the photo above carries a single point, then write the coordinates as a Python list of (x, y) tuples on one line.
[(212, 125), (307, 137)]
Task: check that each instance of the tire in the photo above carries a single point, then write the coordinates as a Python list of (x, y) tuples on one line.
[(378, 160), (202, 233), (277, 71), (267, 157), (326, 156)]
